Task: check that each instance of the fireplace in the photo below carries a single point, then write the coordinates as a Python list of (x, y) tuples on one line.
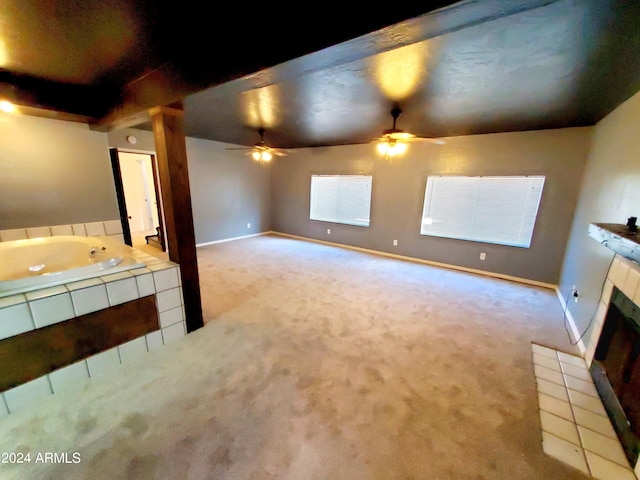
[(615, 369)]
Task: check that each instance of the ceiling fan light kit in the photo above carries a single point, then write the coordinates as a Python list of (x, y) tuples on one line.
[(393, 142), (261, 152)]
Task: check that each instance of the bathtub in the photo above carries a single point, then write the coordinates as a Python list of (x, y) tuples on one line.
[(27, 265)]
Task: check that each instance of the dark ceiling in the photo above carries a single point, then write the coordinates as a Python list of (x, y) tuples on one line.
[(322, 76)]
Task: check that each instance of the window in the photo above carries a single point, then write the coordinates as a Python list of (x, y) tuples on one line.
[(341, 199), (499, 210)]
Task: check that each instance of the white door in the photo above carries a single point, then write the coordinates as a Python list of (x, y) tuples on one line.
[(136, 193)]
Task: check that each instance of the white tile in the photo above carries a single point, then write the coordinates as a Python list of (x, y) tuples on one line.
[(593, 421), (571, 359), (171, 316), (95, 229), (613, 268), (168, 299), (621, 274), (113, 227), (606, 291), (587, 402), (555, 406), (59, 230), (69, 377), (564, 451), (577, 372), (122, 291), (145, 285), (15, 320), (154, 340), (583, 386), (166, 279), (141, 271), (116, 276), (603, 469), (602, 445), (4, 410), (89, 282), (132, 350), (173, 333), (161, 264), (559, 427), (15, 234), (91, 299), (12, 300), (50, 310), (103, 362), (548, 374), (552, 389), (38, 232), (79, 230), (46, 292), (23, 395), (547, 362), (631, 284), (545, 351)]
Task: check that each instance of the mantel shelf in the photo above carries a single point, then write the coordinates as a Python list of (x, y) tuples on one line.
[(618, 238)]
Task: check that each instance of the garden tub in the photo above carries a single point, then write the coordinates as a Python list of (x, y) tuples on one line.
[(31, 264)]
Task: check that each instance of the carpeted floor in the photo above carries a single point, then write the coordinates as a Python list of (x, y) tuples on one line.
[(318, 363)]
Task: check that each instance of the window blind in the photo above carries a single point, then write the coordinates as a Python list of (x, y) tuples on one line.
[(498, 209), (341, 199)]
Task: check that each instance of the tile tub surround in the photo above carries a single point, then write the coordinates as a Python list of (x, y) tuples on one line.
[(575, 427), (111, 228), (25, 312)]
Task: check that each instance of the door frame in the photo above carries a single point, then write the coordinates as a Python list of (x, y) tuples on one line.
[(122, 205)]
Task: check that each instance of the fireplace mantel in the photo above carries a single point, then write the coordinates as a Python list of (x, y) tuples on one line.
[(617, 237)]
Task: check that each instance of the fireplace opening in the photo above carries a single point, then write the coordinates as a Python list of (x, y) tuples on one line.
[(616, 370)]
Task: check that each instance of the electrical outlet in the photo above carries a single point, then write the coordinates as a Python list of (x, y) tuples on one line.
[(328, 231), (395, 243), (483, 256), (248, 225)]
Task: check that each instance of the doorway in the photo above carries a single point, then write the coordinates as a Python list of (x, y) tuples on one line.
[(139, 200)]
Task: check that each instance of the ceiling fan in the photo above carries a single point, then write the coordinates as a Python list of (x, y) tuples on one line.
[(393, 142), (261, 152)]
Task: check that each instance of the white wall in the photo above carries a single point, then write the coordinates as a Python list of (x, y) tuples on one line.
[(610, 193)]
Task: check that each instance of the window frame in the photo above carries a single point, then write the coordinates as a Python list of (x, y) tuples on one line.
[(527, 220), (337, 219)]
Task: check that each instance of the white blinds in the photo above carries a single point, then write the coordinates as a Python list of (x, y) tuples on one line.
[(341, 199), (498, 210)]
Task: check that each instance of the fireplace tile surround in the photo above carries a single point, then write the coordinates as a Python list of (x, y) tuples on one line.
[(567, 393)]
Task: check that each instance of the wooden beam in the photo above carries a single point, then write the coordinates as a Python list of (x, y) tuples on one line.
[(173, 171)]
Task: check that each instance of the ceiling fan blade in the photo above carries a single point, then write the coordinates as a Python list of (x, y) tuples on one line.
[(279, 153), (239, 148), (437, 141)]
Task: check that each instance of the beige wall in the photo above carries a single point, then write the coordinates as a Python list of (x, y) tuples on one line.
[(398, 195), (53, 173), (610, 193)]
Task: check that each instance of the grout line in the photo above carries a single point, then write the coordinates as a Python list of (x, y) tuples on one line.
[(573, 415)]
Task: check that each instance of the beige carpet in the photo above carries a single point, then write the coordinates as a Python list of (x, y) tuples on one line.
[(318, 363)]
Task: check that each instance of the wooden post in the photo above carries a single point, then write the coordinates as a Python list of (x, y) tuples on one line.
[(173, 171)]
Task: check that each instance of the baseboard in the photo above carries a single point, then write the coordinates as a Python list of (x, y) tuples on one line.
[(426, 262), (232, 239), (571, 322)]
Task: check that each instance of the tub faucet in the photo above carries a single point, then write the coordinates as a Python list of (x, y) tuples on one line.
[(92, 252)]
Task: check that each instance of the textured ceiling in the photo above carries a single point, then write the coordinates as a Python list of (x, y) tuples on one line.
[(317, 78)]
